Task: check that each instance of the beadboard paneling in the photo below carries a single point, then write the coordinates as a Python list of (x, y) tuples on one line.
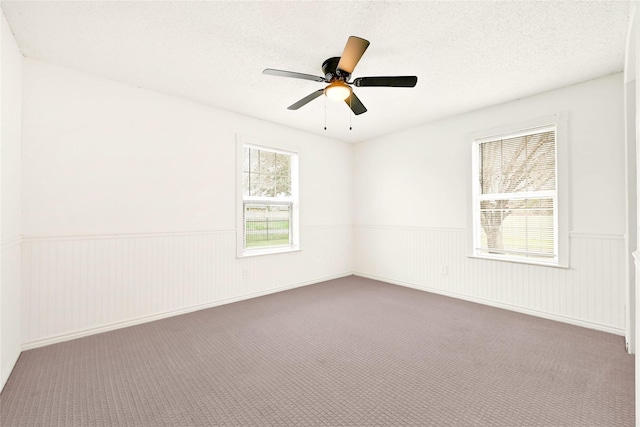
[(10, 310), (589, 293), (75, 286)]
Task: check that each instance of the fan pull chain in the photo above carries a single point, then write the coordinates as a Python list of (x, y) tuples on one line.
[(325, 113), (350, 109)]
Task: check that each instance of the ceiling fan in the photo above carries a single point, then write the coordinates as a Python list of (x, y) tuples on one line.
[(337, 71)]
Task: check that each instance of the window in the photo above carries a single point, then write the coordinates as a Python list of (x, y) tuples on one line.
[(519, 200), (269, 201)]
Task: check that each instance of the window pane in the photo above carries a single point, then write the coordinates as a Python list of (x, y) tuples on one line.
[(519, 228), (267, 162), (267, 225), (283, 185), (268, 186), (268, 174), (254, 156), (521, 164), (283, 175), (246, 184), (283, 163), (257, 186), (541, 149), (245, 159)]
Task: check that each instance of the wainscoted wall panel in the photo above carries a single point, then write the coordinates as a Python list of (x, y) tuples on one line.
[(10, 309), (75, 286), (11, 107), (590, 293)]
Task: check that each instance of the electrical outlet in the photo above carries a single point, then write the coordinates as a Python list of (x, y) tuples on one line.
[(445, 270), (245, 274)]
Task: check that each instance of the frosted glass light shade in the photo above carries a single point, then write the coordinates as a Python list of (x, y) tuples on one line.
[(337, 91)]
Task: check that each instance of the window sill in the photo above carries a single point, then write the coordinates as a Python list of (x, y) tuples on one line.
[(258, 252), (519, 261)]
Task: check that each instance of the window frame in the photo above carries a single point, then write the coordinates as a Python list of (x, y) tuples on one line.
[(294, 225), (560, 194)]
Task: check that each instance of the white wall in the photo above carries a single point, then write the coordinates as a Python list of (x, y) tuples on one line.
[(10, 200), (129, 206), (411, 200), (632, 107)]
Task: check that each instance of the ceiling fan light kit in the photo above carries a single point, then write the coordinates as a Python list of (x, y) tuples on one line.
[(337, 91), (337, 71)]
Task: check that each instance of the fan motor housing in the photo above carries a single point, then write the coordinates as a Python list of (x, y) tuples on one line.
[(332, 72)]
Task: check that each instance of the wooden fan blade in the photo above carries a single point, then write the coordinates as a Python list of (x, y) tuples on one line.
[(352, 53)]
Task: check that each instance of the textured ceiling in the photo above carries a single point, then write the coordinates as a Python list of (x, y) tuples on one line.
[(467, 55)]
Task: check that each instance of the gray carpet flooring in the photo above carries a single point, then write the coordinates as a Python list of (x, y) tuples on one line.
[(347, 352)]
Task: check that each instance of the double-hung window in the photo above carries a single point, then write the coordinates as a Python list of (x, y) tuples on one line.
[(518, 191), (268, 217)]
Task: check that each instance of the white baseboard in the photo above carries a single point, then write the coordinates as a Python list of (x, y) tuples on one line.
[(140, 320), (519, 309)]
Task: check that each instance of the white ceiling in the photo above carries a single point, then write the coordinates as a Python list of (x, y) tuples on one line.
[(467, 55)]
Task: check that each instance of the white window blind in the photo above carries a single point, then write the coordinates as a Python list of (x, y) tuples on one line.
[(516, 197)]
